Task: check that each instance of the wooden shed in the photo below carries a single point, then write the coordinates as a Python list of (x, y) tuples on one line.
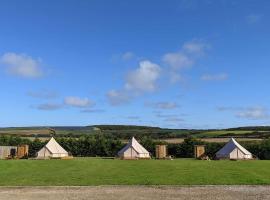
[(22, 151), (7, 152), (199, 151), (161, 151)]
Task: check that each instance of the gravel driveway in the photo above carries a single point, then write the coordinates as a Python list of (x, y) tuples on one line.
[(135, 192)]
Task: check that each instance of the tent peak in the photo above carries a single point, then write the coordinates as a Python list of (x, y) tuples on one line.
[(134, 146), (230, 147)]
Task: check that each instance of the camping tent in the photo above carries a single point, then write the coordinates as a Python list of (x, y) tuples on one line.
[(133, 150), (52, 150), (233, 150)]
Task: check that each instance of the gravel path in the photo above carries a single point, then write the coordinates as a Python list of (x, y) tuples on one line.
[(135, 193)]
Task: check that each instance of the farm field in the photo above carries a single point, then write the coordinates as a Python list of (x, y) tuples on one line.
[(124, 133), (223, 140), (96, 171)]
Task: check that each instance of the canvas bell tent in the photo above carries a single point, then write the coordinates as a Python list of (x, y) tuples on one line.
[(134, 150), (52, 150), (233, 150)]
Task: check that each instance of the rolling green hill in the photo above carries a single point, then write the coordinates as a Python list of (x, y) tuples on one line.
[(126, 131)]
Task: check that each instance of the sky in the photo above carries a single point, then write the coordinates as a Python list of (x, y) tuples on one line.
[(174, 64)]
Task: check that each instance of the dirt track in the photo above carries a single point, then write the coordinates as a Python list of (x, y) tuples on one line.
[(135, 193)]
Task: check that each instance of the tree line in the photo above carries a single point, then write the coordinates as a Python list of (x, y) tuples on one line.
[(108, 146)]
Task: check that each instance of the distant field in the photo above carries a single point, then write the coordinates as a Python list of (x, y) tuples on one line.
[(25, 132), (126, 132), (94, 171), (225, 132), (177, 140), (180, 140), (42, 131)]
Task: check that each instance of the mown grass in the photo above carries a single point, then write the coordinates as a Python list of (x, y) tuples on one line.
[(93, 171)]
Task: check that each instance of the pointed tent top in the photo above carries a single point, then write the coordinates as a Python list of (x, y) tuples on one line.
[(137, 146), (230, 146), (239, 146), (54, 147)]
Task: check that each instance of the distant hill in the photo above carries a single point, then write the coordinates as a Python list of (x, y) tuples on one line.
[(251, 128), (125, 127), (126, 131)]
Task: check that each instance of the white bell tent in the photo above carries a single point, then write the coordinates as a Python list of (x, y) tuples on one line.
[(52, 150), (233, 150), (134, 150)]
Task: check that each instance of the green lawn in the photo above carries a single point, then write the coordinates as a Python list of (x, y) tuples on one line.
[(91, 171)]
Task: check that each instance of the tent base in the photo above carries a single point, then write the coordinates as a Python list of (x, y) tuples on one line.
[(235, 159), (133, 158), (55, 158)]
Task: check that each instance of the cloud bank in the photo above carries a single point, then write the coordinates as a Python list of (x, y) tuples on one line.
[(21, 65)]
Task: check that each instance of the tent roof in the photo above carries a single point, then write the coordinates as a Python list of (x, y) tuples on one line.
[(136, 146), (54, 147), (230, 146)]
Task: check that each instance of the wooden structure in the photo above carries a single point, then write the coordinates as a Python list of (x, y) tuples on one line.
[(11, 152), (199, 151), (22, 151), (7, 152), (161, 151)]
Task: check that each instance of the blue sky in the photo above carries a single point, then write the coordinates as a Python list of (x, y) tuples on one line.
[(175, 64)]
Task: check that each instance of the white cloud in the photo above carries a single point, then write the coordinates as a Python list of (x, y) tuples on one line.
[(174, 119), (166, 105), (253, 18), (254, 113), (144, 78), (49, 106), (124, 57), (127, 56), (92, 111), (185, 58), (177, 60), (42, 94), (228, 108), (163, 105), (137, 82), (133, 117), (176, 77), (116, 97), (161, 115), (214, 77), (21, 65), (195, 47), (78, 102)]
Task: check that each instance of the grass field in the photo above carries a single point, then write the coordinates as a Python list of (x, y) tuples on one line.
[(131, 130), (221, 133), (94, 171), (180, 140), (125, 132)]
